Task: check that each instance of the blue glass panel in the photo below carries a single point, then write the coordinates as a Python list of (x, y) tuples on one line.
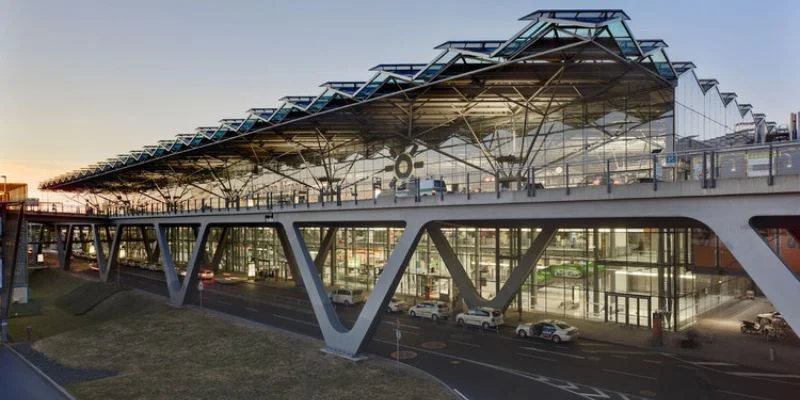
[(370, 88), (523, 38)]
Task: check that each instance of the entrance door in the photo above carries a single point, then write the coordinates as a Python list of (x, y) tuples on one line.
[(628, 309)]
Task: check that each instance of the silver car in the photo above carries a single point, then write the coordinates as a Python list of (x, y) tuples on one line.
[(548, 329), (430, 309)]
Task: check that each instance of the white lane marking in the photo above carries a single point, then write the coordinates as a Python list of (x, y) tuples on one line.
[(300, 321), (460, 395), (686, 367), (571, 388), (537, 357), (714, 363), (616, 371), (765, 375), (674, 357), (251, 309), (464, 343), (394, 324), (410, 333), (628, 352), (556, 353), (653, 361), (746, 396)]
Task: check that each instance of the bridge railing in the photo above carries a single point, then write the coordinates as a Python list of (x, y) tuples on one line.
[(705, 166)]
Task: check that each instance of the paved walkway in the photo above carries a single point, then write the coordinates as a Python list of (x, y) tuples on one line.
[(722, 339), (18, 380)]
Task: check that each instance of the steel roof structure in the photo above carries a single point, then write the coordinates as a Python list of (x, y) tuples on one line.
[(560, 58)]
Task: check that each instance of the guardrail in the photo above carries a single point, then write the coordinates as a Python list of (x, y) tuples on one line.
[(705, 166)]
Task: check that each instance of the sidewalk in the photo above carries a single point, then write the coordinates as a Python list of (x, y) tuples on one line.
[(720, 345)]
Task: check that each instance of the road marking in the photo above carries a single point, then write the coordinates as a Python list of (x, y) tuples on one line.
[(537, 357), (713, 363), (409, 333), (567, 386), (765, 375), (300, 321), (686, 367), (597, 344), (251, 309), (464, 343), (628, 352), (746, 396), (394, 324), (615, 371), (555, 352), (460, 395), (653, 361)]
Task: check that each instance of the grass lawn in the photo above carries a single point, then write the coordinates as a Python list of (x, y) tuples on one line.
[(167, 353), (46, 287)]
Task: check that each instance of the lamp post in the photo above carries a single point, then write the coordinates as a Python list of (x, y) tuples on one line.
[(5, 187)]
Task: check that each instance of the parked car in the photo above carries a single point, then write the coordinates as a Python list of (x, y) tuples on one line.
[(204, 274), (770, 317), (485, 317), (548, 329), (430, 309), (347, 296), (396, 305)]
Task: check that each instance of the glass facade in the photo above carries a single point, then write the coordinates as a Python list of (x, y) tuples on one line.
[(619, 275)]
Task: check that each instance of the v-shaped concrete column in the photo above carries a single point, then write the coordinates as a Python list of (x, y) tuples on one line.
[(220, 249), (178, 293), (337, 338), (64, 246), (100, 254), (515, 281), (110, 266), (325, 248), (291, 259), (766, 269)]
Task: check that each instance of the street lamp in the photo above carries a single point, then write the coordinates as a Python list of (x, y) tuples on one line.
[(5, 184)]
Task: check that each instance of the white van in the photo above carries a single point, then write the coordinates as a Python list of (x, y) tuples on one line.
[(427, 187), (347, 296)]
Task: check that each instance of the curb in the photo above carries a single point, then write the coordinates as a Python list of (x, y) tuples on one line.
[(42, 374), (671, 351)]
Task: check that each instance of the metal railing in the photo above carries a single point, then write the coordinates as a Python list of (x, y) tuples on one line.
[(706, 166)]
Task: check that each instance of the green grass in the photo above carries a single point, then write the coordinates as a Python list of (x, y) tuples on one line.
[(167, 353)]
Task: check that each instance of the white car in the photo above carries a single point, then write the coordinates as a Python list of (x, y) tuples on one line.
[(347, 296), (485, 317), (396, 305), (770, 317), (548, 329), (430, 309)]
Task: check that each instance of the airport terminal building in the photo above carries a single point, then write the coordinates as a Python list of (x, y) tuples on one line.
[(573, 101)]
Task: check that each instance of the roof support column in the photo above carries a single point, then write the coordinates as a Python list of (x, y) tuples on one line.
[(515, 281), (178, 292), (337, 339), (325, 248), (98, 250), (768, 271), (64, 245), (465, 286), (526, 264), (219, 250), (291, 258), (106, 269)]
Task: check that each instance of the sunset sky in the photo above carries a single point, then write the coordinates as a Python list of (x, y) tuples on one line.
[(83, 81)]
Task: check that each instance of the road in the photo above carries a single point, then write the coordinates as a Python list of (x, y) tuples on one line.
[(19, 381), (497, 364)]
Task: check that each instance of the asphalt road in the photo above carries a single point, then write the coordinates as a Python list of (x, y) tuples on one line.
[(19, 381), (497, 364)]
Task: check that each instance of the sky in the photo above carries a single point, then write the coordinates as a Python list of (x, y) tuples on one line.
[(82, 81)]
